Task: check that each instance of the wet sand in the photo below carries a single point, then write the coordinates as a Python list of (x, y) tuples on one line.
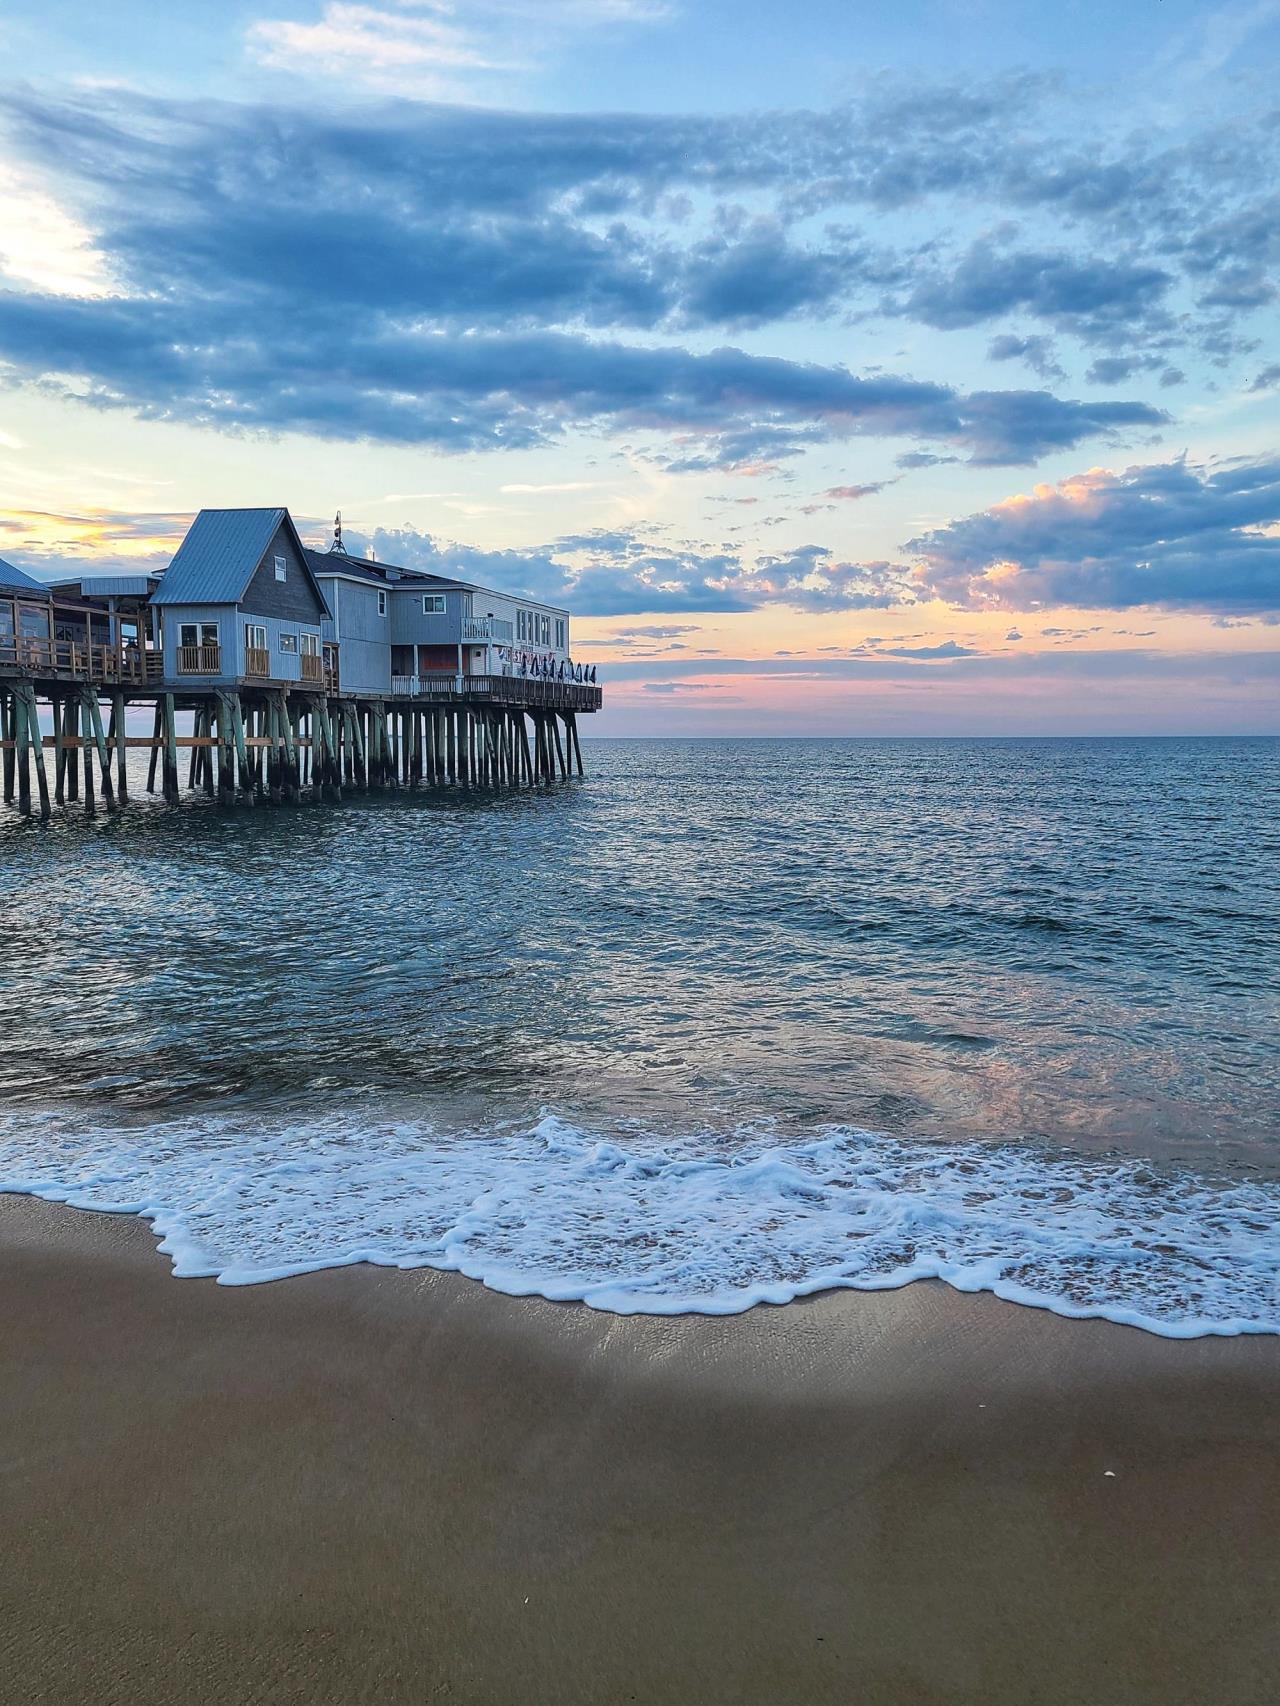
[(366, 1486)]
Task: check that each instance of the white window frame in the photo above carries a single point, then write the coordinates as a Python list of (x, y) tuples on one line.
[(282, 568), (289, 644), (310, 645), (382, 602), (560, 633), (208, 634), (433, 604), (251, 643)]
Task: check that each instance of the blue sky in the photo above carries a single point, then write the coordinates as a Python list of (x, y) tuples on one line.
[(842, 368)]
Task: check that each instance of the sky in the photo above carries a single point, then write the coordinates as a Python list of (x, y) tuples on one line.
[(844, 369)]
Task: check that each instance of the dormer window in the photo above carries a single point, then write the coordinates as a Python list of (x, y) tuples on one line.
[(433, 604), (282, 569)]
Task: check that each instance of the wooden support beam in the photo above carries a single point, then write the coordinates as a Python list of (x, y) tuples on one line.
[(37, 747), (157, 735), (242, 750), (86, 749), (100, 742), (121, 750), (226, 749), (575, 744), (170, 763), (8, 728), (22, 752)]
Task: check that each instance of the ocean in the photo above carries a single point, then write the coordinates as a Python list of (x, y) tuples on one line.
[(727, 1023)]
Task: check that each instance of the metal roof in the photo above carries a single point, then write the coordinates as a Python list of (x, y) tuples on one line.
[(16, 580), (217, 559), (109, 586), (338, 563)]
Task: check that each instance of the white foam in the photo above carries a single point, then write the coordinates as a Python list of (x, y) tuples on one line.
[(702, 1225)]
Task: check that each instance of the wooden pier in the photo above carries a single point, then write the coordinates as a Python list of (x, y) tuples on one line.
[(271, 741)]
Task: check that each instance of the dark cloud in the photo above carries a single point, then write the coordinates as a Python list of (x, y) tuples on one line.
[(1268, 379), (1037, 351), (922, 459), (1086, 296), (468, 278), (1166, 534), (332, 376)]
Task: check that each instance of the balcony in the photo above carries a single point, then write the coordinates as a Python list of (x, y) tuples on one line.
[(257, 661), (508, 691), (108, 665), (487, 628), (199, 660), (312, 666)]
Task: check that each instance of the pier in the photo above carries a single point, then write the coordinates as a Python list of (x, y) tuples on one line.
[(245, 636)]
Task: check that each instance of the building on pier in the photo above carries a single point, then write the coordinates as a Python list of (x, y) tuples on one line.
[(302, 669)]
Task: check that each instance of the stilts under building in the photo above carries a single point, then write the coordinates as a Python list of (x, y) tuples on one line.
[(304, 672)]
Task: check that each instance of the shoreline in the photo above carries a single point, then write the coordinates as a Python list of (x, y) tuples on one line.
[(371, 1483)]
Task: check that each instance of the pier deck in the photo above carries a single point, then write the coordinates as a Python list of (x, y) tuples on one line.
[(262, 738)]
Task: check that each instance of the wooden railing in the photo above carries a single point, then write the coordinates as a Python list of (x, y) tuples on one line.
[(312, 666), (199, 660), (257, 661), (125, 666)]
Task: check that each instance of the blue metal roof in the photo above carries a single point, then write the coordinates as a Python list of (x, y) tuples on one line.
[(17, 580), (217, 559), (118, 586)]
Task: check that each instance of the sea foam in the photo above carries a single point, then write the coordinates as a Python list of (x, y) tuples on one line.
[(707, 1225)]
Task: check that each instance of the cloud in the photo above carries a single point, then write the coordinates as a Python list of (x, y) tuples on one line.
[(1084, 296), (617, 572), (411, 49), (1268, 379), (322, 374), (947, 649), (423, 47), (851, 494), (369, 273), (653, 633), (1171, 535), (1037, 351)]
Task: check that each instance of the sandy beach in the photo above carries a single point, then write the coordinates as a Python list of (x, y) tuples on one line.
[(366, 1485)]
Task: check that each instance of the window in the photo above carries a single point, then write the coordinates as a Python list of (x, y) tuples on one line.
[(560, 634), (311, 645), (382, 604), (198, 634), (255, 637), (520, 625), (433, 604), (282, 569), (544, 630), (288, 642)]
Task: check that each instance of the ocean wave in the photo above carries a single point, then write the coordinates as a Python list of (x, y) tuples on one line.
[(710, 1224)]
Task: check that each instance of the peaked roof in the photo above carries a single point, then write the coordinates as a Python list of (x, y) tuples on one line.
[(220, 554), (17, 580)]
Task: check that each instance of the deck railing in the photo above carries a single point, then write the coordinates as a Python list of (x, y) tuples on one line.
[(124, 666), (257, 660), (487, 628), (199, 660), (312, 666), (514, 690)]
